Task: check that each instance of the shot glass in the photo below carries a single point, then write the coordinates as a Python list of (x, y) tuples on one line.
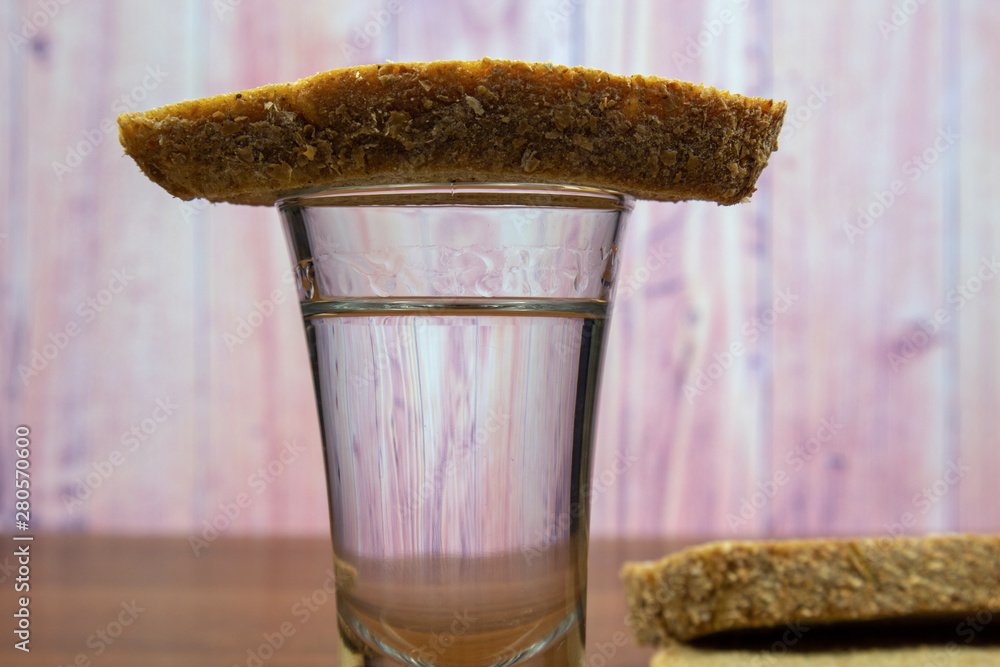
[(455, 334)]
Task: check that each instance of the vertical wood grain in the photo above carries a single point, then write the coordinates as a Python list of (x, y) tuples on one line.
[(456, 30), (101, 218), (13, 265), (978, 228), (698, 274), (861, 296)]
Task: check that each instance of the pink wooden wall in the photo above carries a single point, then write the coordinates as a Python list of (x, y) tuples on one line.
[(837, 410)]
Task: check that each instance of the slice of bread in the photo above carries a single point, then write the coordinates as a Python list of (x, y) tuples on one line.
[(737, 585), (478, 121), (681, 655), (933, 641)]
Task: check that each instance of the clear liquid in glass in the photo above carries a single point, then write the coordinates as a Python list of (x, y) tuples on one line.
[(462, 428)]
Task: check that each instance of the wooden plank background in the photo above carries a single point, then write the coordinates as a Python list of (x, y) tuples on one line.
[(845, 412)]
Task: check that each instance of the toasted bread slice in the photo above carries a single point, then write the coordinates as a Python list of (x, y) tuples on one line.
[(955, 655), (738, 585), (478, 121)]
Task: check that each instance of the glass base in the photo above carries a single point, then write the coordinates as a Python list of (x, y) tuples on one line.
[(567, 651)]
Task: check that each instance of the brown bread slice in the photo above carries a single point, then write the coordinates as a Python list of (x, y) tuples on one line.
[(932, 641), (737, 585), (477, 121), (681, 655)]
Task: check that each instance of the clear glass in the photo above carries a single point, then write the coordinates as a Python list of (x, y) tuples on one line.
[(455, 334)]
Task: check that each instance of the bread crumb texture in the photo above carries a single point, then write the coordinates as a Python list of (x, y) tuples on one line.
[(478, 121), (737, 585)]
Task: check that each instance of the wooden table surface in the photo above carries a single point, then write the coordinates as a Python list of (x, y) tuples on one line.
[(210, 609), (135, 602)]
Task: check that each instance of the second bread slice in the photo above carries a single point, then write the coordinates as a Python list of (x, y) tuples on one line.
[(738, 585)]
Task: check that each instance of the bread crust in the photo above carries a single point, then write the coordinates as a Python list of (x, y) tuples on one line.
[(739, 585), (475, 121)]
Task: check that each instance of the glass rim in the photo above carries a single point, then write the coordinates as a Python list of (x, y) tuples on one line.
[(479, 194)]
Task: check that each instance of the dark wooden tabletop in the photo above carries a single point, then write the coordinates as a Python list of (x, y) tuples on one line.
[(105, 601), (132, 602)]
